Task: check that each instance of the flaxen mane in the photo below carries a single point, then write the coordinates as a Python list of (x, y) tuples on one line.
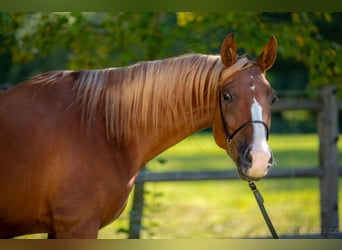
[(142, 94)]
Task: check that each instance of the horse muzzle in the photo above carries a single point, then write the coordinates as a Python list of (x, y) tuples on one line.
[(255, 162)]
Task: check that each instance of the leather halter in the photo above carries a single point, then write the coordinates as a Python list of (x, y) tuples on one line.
[(257, 194), (229, 137)]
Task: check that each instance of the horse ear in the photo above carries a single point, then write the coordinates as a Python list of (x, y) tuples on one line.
[(228, 50), (268, 55)]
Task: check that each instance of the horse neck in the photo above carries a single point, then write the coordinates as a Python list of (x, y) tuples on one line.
[(150, 144), (151, 106), (183, 103)]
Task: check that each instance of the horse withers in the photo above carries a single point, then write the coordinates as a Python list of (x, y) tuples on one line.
[(73, 142)]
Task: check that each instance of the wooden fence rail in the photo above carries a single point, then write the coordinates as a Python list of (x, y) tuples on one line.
[(328, 170)]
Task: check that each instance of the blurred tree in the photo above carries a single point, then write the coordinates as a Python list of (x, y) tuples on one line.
[(308, 38), (98, 40)]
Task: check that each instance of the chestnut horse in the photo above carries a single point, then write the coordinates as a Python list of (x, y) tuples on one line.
[(73, 142)]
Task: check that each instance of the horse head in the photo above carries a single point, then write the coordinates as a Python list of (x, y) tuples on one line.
[(243, 116)]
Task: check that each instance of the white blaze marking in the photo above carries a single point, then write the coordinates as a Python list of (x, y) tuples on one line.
[(260, 151)]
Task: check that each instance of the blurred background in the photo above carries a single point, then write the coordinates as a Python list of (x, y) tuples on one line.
[(309, 46), (309, 58)]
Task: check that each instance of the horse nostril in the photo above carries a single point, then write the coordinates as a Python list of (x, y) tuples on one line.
[(248, 156), (271, 161)]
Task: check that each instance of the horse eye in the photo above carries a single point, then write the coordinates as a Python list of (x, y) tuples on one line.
[(227, 97), (274, 99)]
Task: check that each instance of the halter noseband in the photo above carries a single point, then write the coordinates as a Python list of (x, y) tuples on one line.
[(251, 184), (229, 137)]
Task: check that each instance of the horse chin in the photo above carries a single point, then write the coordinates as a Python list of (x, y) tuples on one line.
[(243, 172), (247, 177)]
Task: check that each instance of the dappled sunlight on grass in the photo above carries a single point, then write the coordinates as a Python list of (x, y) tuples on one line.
[(227, 209)]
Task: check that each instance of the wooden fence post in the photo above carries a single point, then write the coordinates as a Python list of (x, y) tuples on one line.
[(135, 221), (328, 154)]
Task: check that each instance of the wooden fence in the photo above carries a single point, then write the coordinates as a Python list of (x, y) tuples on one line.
[(328, 170)]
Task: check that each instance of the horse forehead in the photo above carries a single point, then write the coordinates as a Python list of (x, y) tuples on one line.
[(256, 75), (256, 87), (245, 76), (254, 80)]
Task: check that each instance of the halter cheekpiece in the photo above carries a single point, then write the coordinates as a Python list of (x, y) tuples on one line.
[(257, 194), (230, 136)]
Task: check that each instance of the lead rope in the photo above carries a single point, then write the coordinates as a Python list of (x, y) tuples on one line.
[(251, 184), (260, 202)]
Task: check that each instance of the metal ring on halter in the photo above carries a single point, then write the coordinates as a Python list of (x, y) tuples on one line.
[(257, 194)]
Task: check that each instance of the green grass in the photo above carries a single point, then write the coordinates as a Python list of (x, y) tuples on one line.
[(199, 152), (227, 209)]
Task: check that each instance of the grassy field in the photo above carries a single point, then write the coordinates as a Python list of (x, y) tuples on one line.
[(227, 209)]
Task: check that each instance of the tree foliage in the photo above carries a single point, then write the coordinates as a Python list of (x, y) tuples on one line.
[(98, 40)]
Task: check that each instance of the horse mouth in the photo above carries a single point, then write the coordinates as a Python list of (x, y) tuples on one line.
[(244, 165), (243, 172), (246, 177)]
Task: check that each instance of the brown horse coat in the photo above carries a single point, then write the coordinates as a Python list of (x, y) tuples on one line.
[(72, 142)]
